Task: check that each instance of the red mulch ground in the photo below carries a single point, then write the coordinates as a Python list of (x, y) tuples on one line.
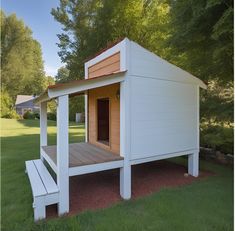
[(101, 189)]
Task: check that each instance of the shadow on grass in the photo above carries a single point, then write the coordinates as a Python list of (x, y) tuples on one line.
[(35, 123), (52, 123)]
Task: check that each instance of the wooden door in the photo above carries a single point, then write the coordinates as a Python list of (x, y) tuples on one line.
[(103, 120)]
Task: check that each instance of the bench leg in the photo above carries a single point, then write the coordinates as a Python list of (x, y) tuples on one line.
[(125, 181), (39, 208), (193, 164)]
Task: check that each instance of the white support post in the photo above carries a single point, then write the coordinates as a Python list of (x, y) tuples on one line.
[(125, 181), (193, 164), (63, 154), (86, 116), (43, 125)]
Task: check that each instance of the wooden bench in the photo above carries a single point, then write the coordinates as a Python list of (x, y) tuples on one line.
[(44, 189)]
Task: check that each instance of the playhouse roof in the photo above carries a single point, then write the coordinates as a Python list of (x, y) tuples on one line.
[(24, 99)]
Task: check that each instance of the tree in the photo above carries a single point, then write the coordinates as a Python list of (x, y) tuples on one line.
[(50, 80), (62, 75), (22, 66), (202, 38), (202, 41), (90, 25)]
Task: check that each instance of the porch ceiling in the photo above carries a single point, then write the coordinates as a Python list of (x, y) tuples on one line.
[(79, 86)]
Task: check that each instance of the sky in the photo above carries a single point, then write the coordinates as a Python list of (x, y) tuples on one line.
[(36, 15)]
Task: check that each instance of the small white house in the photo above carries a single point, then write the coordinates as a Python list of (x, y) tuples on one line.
[(25, 103), (139, 108)]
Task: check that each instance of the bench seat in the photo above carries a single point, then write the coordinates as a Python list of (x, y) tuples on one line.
[(44, 189)]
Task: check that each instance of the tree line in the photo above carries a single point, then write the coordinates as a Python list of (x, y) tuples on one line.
[(22, 69)]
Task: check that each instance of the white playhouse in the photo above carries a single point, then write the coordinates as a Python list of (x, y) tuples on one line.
[(138, 108)]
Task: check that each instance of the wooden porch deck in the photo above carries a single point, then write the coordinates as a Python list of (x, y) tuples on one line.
[(81, 154)]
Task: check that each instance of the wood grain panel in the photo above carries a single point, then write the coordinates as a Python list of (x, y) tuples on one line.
[(106, 66), (114, 139)]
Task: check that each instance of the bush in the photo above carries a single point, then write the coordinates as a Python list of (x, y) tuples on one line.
[(11, 114), (218, 137), (29, 115), (6, 105), (51, 116), (36, 115)]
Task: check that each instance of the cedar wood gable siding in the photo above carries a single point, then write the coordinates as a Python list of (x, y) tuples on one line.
[(106, 66)]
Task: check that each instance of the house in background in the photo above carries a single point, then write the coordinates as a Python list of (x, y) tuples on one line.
[(138, 108), (25, 103)]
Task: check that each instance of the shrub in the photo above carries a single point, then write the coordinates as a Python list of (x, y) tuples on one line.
[(36, 115), (6, 105), (51, 116), (11, 114), (83, 117), (29, 115), (218, 137)]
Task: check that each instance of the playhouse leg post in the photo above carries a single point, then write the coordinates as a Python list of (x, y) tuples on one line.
[(125, 181), (193, 164)]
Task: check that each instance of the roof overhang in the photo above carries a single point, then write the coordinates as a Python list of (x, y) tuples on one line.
[(203, 85), (199, 82), (79, 86)]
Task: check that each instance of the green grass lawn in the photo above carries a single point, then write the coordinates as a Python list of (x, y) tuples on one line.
[(204, 205)]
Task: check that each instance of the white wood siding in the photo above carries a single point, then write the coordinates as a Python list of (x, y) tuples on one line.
[(147, 64), (163, 117)]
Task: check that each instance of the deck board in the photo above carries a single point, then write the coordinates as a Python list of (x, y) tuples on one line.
[(81, 154)]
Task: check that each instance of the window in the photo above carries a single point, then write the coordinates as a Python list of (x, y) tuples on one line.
[(103, 120)]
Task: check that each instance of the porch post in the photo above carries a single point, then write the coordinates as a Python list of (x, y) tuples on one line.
[(193, 158), (86, 116), (125, 171), (43, 125), (63, 154)]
